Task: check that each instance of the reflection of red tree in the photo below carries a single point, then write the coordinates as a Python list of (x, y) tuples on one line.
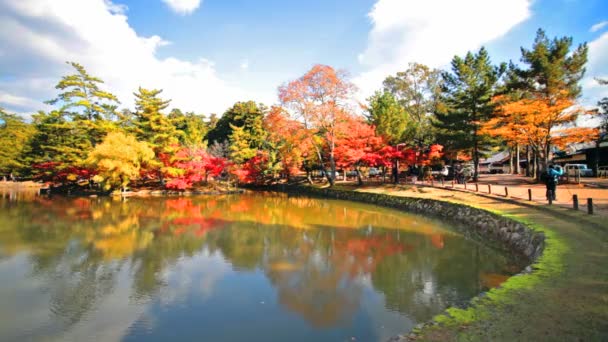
[(204, 224), (366, 253), (191, 215), (437, 240)]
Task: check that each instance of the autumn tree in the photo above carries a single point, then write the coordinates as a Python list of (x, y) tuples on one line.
[(539, 101), (119, 159), (287, 137), (319, 99), (357, 145), (468, 91), (15, 135), (194, 165)]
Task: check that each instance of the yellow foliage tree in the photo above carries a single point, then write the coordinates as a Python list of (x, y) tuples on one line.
[(119, 159), (538, 122)]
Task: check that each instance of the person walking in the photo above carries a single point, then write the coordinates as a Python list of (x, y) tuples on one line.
[(552, 177)]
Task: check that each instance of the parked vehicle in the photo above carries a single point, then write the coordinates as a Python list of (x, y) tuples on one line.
[(374, 172), (440, 172), (572, 170), (338, 174), (351, 173)]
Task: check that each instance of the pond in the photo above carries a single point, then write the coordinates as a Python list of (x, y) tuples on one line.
[(251, 267)]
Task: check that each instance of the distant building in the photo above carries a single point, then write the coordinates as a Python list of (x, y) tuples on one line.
[(498, 163)]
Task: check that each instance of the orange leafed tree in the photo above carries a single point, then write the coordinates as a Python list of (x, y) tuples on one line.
[(288, 137), (319, 99), (537, 122)]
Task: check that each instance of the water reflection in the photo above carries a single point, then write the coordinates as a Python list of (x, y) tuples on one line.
[(343, 269)]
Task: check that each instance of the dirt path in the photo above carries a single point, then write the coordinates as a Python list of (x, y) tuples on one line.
[(564, 299)]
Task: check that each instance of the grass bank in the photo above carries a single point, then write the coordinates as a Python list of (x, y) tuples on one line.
[(565, 298)]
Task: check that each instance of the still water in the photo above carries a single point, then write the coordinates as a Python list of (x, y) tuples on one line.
[(253, 267)]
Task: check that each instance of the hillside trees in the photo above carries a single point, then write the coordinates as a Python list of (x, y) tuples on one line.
[(15, 135)]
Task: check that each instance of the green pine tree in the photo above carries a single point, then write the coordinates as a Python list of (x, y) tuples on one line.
[(467, 95), (150, 124), (82, 101), (388, 116)]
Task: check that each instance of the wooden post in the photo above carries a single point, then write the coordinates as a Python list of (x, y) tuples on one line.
[(575, 202), (476, 187), (506, 192), (432, 182), (465, 185), (590, 206), (442, 183), (452, 184), (550, 200), (489, 189), (529, 194)]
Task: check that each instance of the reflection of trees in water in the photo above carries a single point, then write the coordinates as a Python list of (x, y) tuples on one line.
[(79, 246)]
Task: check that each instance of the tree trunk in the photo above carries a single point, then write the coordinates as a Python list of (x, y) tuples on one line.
[(395, 171), (332, 166), (359, 179), (308, 176), (475, 153), (517, 166), (536, 173), (528, 161), (510, 160)]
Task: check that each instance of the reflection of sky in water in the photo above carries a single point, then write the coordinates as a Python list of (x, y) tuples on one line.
[(227, 268)]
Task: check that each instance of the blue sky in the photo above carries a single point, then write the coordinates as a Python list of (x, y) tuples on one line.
[(208, 54)]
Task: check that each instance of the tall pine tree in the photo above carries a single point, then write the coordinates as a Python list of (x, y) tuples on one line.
[(467, 94), (552, 74)]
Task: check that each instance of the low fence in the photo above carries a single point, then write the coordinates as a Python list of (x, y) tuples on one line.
[(521, 193)]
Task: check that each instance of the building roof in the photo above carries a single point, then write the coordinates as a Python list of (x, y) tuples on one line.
[(499, 157)]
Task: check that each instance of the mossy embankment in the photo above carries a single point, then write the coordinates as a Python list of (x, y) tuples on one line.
[(565, 298)]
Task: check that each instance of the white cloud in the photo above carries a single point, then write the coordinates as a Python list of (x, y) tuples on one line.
[(596, 68), (431, 32), (598, 26), (183, 7), (17, 101), (244, 64), (38, 36)]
